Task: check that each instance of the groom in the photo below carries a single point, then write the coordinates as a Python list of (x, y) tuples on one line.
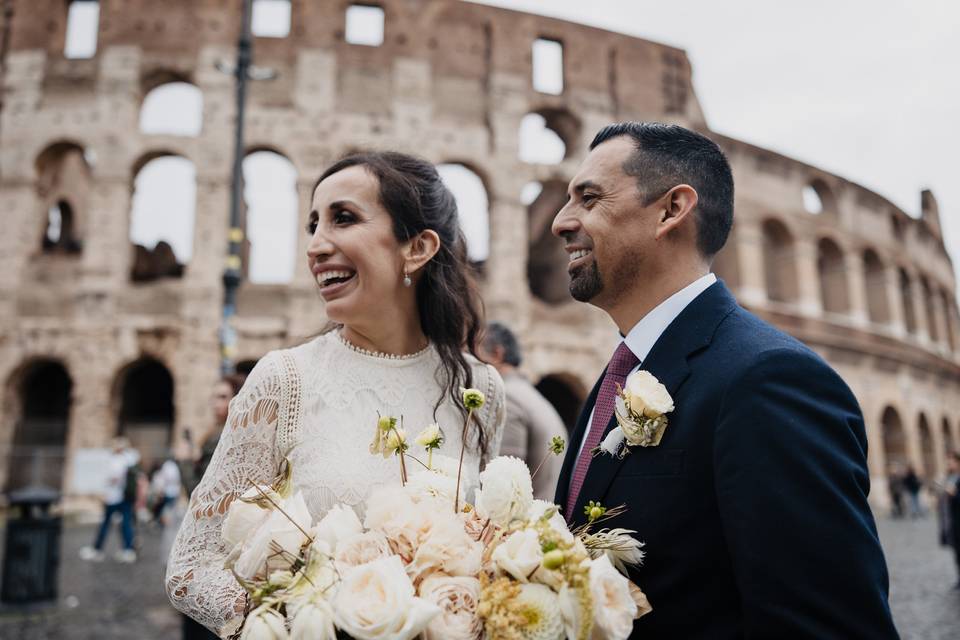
[(753, 506)]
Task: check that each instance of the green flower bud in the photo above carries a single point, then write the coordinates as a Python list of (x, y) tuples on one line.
[(557, 445), (386, 423), (553, 559), (472, 398), (594, 510)]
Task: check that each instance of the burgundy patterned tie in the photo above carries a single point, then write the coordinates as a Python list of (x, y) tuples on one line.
[(621, 364)]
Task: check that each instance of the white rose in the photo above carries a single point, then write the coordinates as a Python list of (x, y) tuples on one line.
[(258, 555), (361, 549), (539, 508), (243, 518), (376, 600), (646, 395), (404, 522), (314, 621), (519, 555), (425, 483), (264, 624), (447, 548), (339, 523), (457, 597), (506, 491), (613, 604), (571, 610), (315, 581)]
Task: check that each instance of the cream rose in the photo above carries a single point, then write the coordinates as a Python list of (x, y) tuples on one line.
[(361, 549), (376, 600), (519, 555), (539, 508), (447, 548), (646, 395), (457, 597), (243, 518), (314, 621), (613, 604), (257, 556), (264, 624), (506, 492), (404, 522), (339, 523)]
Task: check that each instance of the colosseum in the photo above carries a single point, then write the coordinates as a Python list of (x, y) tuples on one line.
[(103, 333)]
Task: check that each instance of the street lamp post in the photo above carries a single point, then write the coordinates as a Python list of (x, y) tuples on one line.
[(232, 273)]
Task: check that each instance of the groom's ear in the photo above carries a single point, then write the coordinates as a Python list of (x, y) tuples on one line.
[(677, 207), (418, 250)]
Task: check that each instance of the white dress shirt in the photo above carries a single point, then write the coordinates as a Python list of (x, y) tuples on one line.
[(644, 334)]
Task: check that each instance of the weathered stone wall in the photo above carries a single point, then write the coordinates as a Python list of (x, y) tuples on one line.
[(452, 82)]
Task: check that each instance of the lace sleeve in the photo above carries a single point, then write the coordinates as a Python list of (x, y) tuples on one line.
[(496, 416), (197, 583)]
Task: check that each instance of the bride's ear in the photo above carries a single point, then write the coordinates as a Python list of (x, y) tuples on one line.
[(418, 250)]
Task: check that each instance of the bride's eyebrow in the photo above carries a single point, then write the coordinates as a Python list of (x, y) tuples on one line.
[(345, 203)]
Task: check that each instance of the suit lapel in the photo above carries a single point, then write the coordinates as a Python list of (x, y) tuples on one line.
[(689, 333)]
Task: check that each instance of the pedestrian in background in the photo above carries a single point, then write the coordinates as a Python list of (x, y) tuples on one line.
[(952, 491), (119, 495), (165, 487), (895, 484), (532, 422), (912, 485)]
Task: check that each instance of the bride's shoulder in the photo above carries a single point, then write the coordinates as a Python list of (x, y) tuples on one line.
[(485, 377), (283, 365)]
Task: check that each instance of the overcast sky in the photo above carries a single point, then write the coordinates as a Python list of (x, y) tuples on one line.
[(865, 89)]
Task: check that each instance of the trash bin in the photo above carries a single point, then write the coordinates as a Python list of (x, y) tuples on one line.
[(31, 554)]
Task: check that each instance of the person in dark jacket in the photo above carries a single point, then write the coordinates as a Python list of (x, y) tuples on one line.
[(952, 491), (912, 485)]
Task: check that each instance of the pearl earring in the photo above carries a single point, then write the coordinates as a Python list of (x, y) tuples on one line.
[(406, 279)]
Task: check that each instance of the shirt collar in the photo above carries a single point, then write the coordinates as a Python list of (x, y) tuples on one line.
[(644, 334)]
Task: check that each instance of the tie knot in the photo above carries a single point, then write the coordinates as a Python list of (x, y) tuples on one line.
[(623, 361)]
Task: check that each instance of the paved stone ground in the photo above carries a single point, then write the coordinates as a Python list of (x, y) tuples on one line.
[(112, 601)]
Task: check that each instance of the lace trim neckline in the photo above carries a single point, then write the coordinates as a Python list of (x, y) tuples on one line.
[(379, 355)]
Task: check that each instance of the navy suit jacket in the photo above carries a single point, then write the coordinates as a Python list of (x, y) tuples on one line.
[(753, 508)]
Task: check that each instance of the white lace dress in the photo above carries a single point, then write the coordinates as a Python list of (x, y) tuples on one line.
[(316, 403)]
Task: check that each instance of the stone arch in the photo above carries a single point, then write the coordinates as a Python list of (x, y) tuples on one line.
[(64, 182), (906, 299), (546, 259), (162, 216), (144, 406), (928, 452), (895, 447), (875, 281), (566, 393), (39, 397), (779, 262), (272, 206), (818, 197), (832, 272), (172, 107), (548, 136), (469, 189)]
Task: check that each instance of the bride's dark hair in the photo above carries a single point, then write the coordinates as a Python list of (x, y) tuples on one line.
[(451, 313)]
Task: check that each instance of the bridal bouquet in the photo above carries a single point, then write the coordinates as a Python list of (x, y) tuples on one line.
[(425, 563)]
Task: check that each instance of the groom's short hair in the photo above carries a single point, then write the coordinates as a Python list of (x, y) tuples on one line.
[(667, 155)]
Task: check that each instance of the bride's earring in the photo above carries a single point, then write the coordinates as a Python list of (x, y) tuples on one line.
[(406, 279)]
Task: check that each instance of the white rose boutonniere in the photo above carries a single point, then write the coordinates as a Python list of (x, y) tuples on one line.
[(641, 410)]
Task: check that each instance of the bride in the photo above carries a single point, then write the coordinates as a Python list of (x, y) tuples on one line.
[(388, 255)]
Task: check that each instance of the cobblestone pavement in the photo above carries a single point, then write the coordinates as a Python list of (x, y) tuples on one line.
[(112, 601)]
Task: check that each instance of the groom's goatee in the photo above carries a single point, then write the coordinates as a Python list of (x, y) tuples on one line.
[(585, 283)]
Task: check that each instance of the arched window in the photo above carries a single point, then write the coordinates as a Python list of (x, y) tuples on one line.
[(43, 393), (875, 280), (364, 25), (818, 198), (162, 217), (906, 298), (59, 235), (547, 65), (833, 277), (173, 108), (894, 438), (472, 206), (779, 262), (726, 264), (270, 193), (548, 136), (546, 260), (146, 409), (927, 450), (64, 182)]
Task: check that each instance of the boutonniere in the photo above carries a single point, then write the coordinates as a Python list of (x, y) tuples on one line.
[(641, 410)]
